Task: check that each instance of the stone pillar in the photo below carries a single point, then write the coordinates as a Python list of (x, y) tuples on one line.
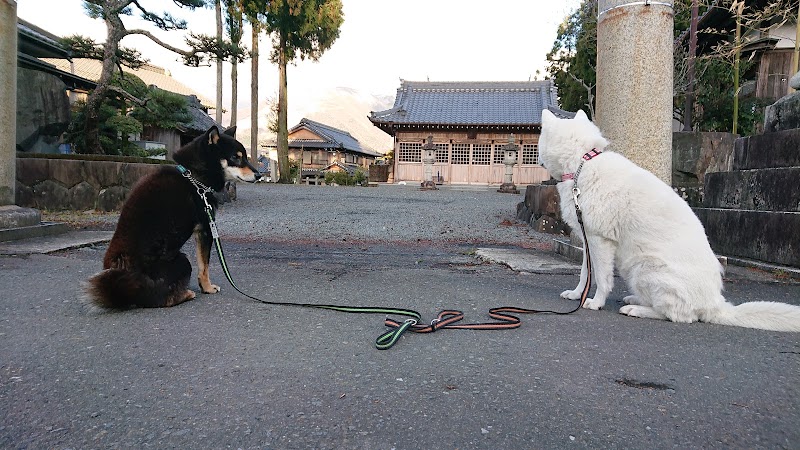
[(8, 93), (428, 158), (634, 81), (510, 152)]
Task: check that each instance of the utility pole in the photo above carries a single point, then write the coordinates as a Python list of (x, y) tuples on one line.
[(634, 81)]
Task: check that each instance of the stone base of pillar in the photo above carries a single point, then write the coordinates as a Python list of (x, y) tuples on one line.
[(12, 216), (508, 188), (428, 186), (22, 223)]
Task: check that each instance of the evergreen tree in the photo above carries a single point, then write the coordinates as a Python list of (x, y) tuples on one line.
[(300, 29), (114, 56)]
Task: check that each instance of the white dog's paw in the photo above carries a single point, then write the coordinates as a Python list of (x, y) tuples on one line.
[(631, 300), (628, 310), (591, 303), (571, 295)]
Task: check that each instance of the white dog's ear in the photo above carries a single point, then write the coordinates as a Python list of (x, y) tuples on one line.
[(581, 115), (547, 116)]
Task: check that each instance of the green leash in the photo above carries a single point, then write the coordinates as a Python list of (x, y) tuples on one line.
[(384, 341), (446, 319)]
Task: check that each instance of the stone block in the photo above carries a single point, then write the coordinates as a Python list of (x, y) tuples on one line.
[(758, 190), (132, 173), (24, 195), (104, 174), (543, 199), (51, 195), (66, 171), (32, 171), (784, 114), (769, 150), (692, 195), (227, 194), (696, 153), (82, 196), (112, 198), (772, 237), (549, 224)]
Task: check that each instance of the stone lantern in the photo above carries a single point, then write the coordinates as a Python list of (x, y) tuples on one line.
[(428, 158), (510, 151)]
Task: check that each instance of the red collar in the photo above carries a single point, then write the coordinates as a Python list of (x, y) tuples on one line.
[(586, 156)]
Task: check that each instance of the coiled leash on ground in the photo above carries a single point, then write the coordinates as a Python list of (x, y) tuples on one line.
[(446, 319)]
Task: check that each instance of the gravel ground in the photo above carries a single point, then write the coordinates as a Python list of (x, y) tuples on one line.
[(383, 214)]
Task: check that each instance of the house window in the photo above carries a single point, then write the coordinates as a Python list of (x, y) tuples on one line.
[(530, 154), (498, 154), (442, 153), (460, 154), (481, 154), (409, 152)]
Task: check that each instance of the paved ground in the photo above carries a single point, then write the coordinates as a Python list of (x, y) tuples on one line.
[(222, 371)]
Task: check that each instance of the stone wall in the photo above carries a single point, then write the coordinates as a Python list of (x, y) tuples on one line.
[(753, 212), (694, 154), (65, 184)]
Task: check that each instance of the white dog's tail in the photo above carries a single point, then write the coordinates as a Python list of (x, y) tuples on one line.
[(772, 316)]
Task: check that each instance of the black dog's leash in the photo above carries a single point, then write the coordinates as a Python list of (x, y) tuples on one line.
[(446, 319)]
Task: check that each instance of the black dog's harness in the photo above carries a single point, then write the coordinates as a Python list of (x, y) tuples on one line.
[(446, 319)]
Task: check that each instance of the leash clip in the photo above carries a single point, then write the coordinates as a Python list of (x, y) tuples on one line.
[(575, 194)]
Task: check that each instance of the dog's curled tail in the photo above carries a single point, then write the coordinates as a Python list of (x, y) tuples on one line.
[(118, 289), (772, 316)]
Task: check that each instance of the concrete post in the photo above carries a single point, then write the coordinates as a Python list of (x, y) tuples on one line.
[(428, 158), (510, 152), (8, 94), (634, 81)]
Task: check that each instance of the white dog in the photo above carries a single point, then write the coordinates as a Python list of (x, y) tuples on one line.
[(633, 219)]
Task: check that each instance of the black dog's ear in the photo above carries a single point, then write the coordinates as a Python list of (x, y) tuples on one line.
[(212, 135), (231, 131)]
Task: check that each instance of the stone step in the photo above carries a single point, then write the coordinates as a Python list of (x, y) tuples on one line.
[(769, 236), (33, 231), (13, 216), (773, 189), (53, 243), (769, 150)]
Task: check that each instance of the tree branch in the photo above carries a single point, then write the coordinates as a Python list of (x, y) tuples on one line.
[(129, 96), (152, 37)]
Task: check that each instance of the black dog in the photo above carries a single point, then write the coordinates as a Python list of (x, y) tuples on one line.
[(144, 265)]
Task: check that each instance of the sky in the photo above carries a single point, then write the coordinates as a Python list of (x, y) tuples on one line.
[(381, 42)]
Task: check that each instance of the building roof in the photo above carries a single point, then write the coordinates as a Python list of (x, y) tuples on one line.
[(329, 138), (464, 104), (39, 43), (718, 23), (34, 43), (349, 168), (149, 74), (200, 121)]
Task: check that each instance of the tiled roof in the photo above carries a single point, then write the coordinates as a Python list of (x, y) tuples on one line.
[(330, 138), (469, 103), (151, 75), (201, 121), (349, 168)]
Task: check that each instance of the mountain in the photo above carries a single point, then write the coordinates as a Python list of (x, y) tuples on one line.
[(343, 108)]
